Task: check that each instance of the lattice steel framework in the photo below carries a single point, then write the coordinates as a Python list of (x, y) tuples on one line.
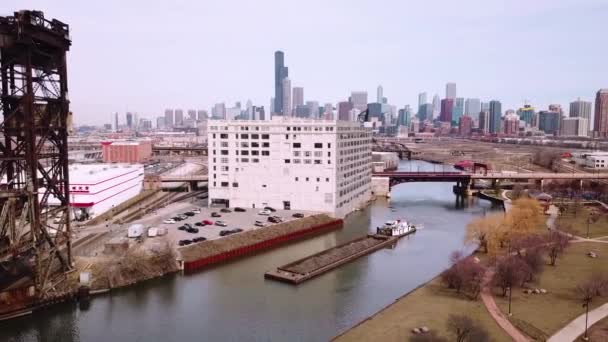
[(33, 146)]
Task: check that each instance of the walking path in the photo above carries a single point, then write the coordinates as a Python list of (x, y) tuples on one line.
[(499, 317), (577, 327)]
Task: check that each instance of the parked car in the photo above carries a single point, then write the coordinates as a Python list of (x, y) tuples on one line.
[(225, 232), (270, 208), (214, 214), (236, 230), (182, 228), (192, 230), (184, 242), (207, 222), (199, 239), (221, 223), (188, 225), (298, 215), (196, 211), (265, 212), (176, 218), (239, 209), (182, 216), (275, 219), (169, 221), (199, 224), (225, 210), (189, 213), (259, 224)]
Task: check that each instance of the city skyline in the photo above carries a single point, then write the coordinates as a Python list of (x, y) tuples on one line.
[(146, 53)]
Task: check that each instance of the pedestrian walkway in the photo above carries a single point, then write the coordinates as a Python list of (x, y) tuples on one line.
[(499, 317), (576, 328)]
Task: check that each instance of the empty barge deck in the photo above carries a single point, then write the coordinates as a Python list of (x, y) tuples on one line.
[(319, 263)]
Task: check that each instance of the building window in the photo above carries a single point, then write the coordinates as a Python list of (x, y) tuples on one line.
[(296, 153), (244, 144), (224, 144), (307, 161), (214, 184), (224, 160), (329, 154), (265, 144), (255, 144), (265, 153), (297, 145), (318, 179), (255, 153), (297, 179), (328, 145), (307, 153), (265, 136), (224, 136), (244, 160), (224, 152), (318, 145), (296, 161), (317, 161), (244, 153), (255, 136), (318, 154), (224, 168), (263, 185), (224, 184), (255, 160), (244, 136), (235, 185), (327, 179), (287, 161), (307, 179)]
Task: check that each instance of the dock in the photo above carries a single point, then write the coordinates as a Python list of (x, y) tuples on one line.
[(314, 265)]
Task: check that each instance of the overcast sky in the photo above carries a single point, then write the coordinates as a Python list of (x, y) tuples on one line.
[(145, 56)]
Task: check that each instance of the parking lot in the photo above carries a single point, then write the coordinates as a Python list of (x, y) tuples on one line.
[(242, 220)]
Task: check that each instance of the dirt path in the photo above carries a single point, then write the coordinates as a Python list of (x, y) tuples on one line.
[(499, 317)]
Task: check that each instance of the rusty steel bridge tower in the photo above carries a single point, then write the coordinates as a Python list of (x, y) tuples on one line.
[(33, 149)]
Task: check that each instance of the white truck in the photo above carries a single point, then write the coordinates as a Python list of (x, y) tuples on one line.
[(135, 231)]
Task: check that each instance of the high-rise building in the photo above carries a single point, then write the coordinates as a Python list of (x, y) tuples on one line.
[(484, 121), (359, 100), (575, 127), (298, 96), (129, 120), (179, 118), (485, 107), (404, 116), (328, 111), (581, 109), (495, 116), (465, 125), (344, 108), (436, 107), (421, 102), (549, 121), (425, 112), (145, 124), (314, 108), (450, 90), (281, 72), (169, 118), (201, 115), (380, 94), (511, 124), (472, 107), (272, 105), (457, 110), (527, 114), (601, 113), (286, 97), (192, 114), (116, 121), (160, 122), (447, 106), (219, 111)]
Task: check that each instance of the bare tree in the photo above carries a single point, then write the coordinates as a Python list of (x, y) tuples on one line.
[(465, 329), (510, 271), (465, 275), (557, 243)]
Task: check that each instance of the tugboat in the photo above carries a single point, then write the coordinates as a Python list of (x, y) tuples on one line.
[(396, 228)]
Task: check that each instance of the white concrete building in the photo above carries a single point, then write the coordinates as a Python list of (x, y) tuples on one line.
[(575, 126), (97, 188), (290, 163)]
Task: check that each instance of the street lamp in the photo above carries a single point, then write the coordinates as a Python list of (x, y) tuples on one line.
[(586, 306), (510, 290)]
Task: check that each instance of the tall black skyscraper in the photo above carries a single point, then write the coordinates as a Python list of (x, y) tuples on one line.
[(280, 72)]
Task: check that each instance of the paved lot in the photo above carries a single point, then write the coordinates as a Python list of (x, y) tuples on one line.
[(242, 220)]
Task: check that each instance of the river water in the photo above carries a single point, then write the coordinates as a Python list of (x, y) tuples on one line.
[(233, 302)]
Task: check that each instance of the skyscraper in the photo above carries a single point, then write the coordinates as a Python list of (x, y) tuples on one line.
[(328, 111), (465, 125), (484, 121), (286, 97), (129, 119), (314, 108), (359, 100), (404, 117), (436, 107), (281, 72), (495, 116), (581, 109), (447, 106), (298, 97), (168, 118), (219, 111), (457, 110), (472, 107), (179, 118), (601, 113), (344, 108), (192, 114), (116, 121), (201, 115), (527, 114), (380, 94), (511, 124), (160, 122), (421, 102), (549, 121), (450, 90)]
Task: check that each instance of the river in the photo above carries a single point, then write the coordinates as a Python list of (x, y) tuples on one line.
[(233, 302)]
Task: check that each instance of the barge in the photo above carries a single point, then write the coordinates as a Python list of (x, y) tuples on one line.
[(314, 265)]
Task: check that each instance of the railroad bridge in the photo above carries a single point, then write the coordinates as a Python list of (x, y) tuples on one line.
[(382, 145)]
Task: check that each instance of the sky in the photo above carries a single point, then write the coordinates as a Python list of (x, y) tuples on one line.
[(145, 56)]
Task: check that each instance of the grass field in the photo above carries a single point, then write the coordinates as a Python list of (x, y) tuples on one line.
[(550, 312), (578, 223), (430, 305)]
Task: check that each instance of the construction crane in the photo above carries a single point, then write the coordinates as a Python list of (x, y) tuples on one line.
[(34, 148)]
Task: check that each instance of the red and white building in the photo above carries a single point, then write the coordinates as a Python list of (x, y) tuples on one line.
[(97, 188), (126, 151)]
